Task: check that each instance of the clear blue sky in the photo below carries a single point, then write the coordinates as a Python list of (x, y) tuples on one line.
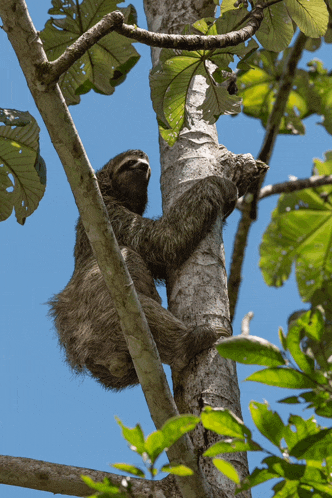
[(46, 412)]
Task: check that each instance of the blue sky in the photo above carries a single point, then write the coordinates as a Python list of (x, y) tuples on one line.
[(46, 412)]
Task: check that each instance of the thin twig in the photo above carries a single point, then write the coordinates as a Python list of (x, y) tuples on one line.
[(245, 325)]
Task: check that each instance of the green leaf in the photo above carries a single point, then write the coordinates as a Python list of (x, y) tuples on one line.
[(175, 427), (282, 338), (320, 401), (178, 470), (227, 5), (218, 101), (257, 477), (313, 324), (258, 88), (171, 79), (155, 445), (276, 30), (294, 337), (267, 422), (315, 87), (282, 377), (20, 158), (134, 436), (290, 471), (287, 489), (102, 67), (290, 400), (232, 446), (323, 488), (299, 232), (311, 16), (311, 92), (227, 469), (298, 429), (105, 488), (314, 447), (130, 469), (170, 82), (251, 350), (224, 422)]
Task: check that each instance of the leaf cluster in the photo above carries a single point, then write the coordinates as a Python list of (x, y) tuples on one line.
[(22, 169), (106, 64), (311, 91), (151, 447), (302, 460), (299, 233), (171, 79), (305, 461)]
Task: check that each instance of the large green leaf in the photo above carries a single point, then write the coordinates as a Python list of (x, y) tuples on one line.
[(294, 336), (282, 377), (224, 422), (267, 422), (227, 469), (311, 16), (300, 233), (311, 92), (251, 350), (298, 429), (170, 82), (102, 67), (320, 82), (232, 446), (171, 79), (20, 158), (315, 446), (258, 87), (276, 31)]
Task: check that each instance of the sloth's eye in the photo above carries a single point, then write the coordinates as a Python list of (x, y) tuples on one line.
[(131, 163)]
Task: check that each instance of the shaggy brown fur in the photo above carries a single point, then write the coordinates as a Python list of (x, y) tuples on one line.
[(85, 317)]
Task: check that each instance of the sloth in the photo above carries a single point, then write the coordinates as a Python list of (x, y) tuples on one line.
[(86, 320)]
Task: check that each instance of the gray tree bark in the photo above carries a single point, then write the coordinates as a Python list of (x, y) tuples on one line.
[(197, 293)]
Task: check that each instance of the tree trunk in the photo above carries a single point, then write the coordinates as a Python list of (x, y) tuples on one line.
[(197, 293)]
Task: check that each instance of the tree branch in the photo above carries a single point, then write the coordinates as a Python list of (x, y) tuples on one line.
[(50, 102), (245, 325), (286, 83), (249, 208), (65, 479), (293, 185), (196, 42), (51, 71), (239, 247)]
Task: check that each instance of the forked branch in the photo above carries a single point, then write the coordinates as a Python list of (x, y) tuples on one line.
[(51, 71)]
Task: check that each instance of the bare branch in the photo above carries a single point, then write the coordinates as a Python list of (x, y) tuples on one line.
[(51, 71), (197, 42), (245, 325), (292, 186), (286, 83), (249, 211), (66, 480), (239, 247)]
